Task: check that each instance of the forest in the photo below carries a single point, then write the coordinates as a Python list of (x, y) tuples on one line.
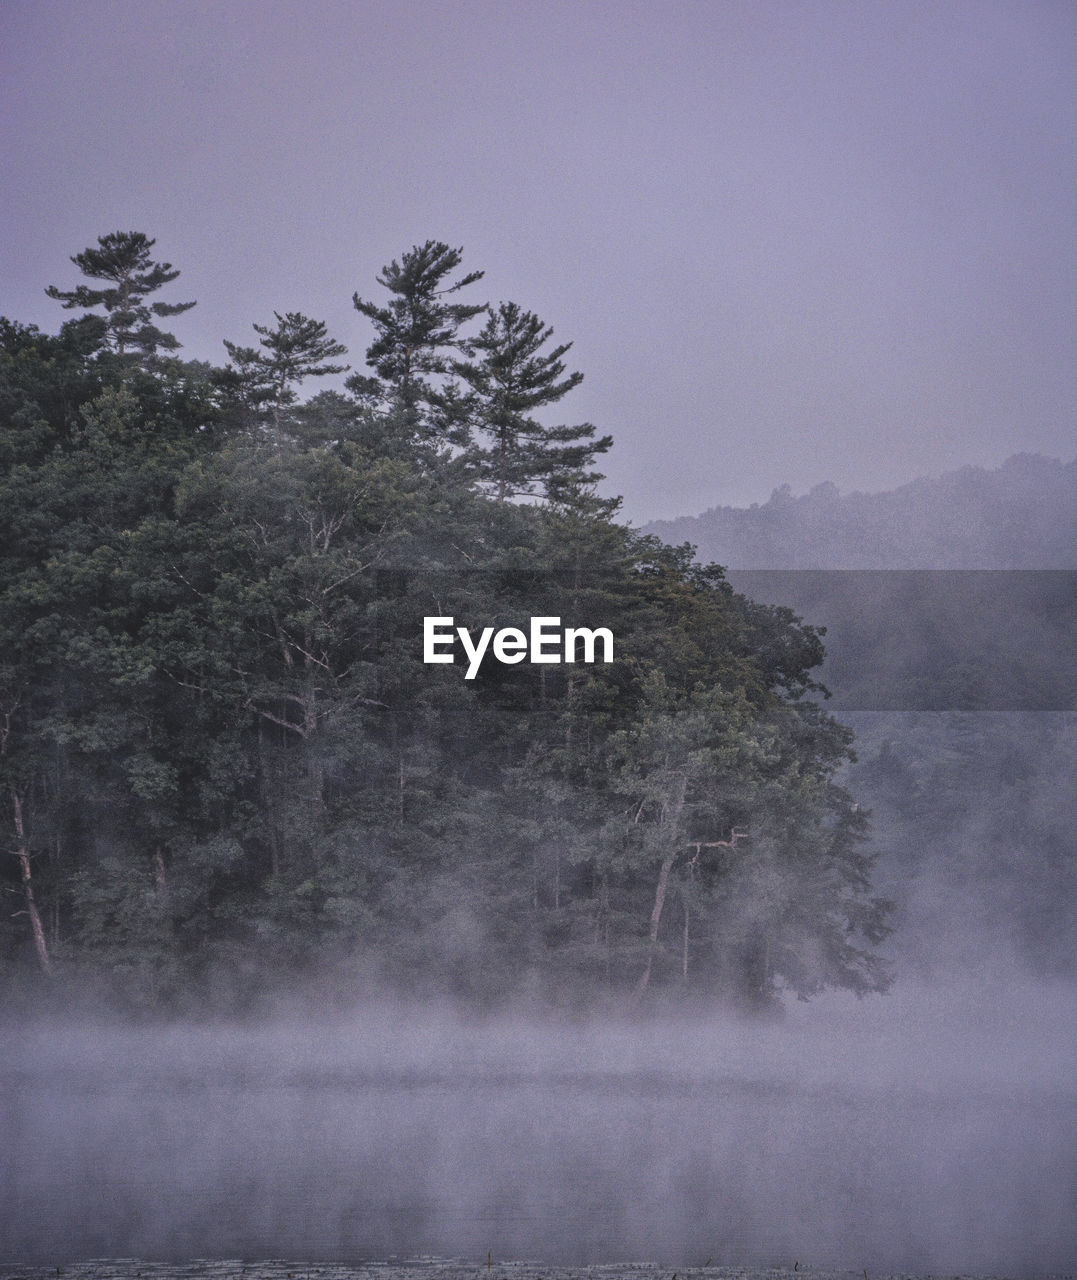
[(224, 765)]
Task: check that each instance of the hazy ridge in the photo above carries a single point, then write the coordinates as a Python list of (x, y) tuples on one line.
[(1022, 515), (959, 684)]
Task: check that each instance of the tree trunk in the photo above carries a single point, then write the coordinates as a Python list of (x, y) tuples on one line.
[(268, 792), (671, 819), (23, 855), (684, 949), (656, 917)]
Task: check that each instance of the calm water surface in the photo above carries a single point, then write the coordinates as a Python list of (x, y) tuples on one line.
[(890, 1139)]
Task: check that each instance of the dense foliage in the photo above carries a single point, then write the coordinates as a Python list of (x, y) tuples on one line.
[(224, 760)]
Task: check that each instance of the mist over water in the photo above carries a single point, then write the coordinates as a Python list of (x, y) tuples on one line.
[(928, 1130)]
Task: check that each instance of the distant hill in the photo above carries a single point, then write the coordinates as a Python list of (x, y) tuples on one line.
[(900, 581), (973, 814), (1023, 515)]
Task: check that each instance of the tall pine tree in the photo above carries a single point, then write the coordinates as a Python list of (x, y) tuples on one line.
[(510, 378), (123, 259), (298, 348), (417, 331)]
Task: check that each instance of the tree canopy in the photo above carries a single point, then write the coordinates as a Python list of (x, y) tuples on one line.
[(223, 756)]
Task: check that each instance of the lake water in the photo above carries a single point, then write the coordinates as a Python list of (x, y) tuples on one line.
[(414, 1269), (903, 1134)]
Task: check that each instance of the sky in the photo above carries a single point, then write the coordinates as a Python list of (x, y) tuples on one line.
[(790, 241)]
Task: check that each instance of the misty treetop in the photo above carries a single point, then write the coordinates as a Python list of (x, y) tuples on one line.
[(221, 751)]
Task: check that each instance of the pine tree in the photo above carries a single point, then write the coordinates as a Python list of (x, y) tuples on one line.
[(417, 330), (297, 348), (511, 378), (123, 259)]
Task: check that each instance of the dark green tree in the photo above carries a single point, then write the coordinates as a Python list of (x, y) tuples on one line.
[(123, 258), (509, 378), (298, 348), (418, 330)]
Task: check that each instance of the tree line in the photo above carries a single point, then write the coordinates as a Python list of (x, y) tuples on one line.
[(1020, 515), (223, 762)]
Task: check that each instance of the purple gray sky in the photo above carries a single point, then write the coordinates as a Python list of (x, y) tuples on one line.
[(792, 240)]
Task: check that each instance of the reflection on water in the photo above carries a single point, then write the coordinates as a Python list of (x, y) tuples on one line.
[(919, 1140), (422, 1268)]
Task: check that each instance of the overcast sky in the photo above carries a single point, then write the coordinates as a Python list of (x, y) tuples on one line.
[(791, 242)]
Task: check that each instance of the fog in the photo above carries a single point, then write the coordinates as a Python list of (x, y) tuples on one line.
[(814, 243), (926, 1130)]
